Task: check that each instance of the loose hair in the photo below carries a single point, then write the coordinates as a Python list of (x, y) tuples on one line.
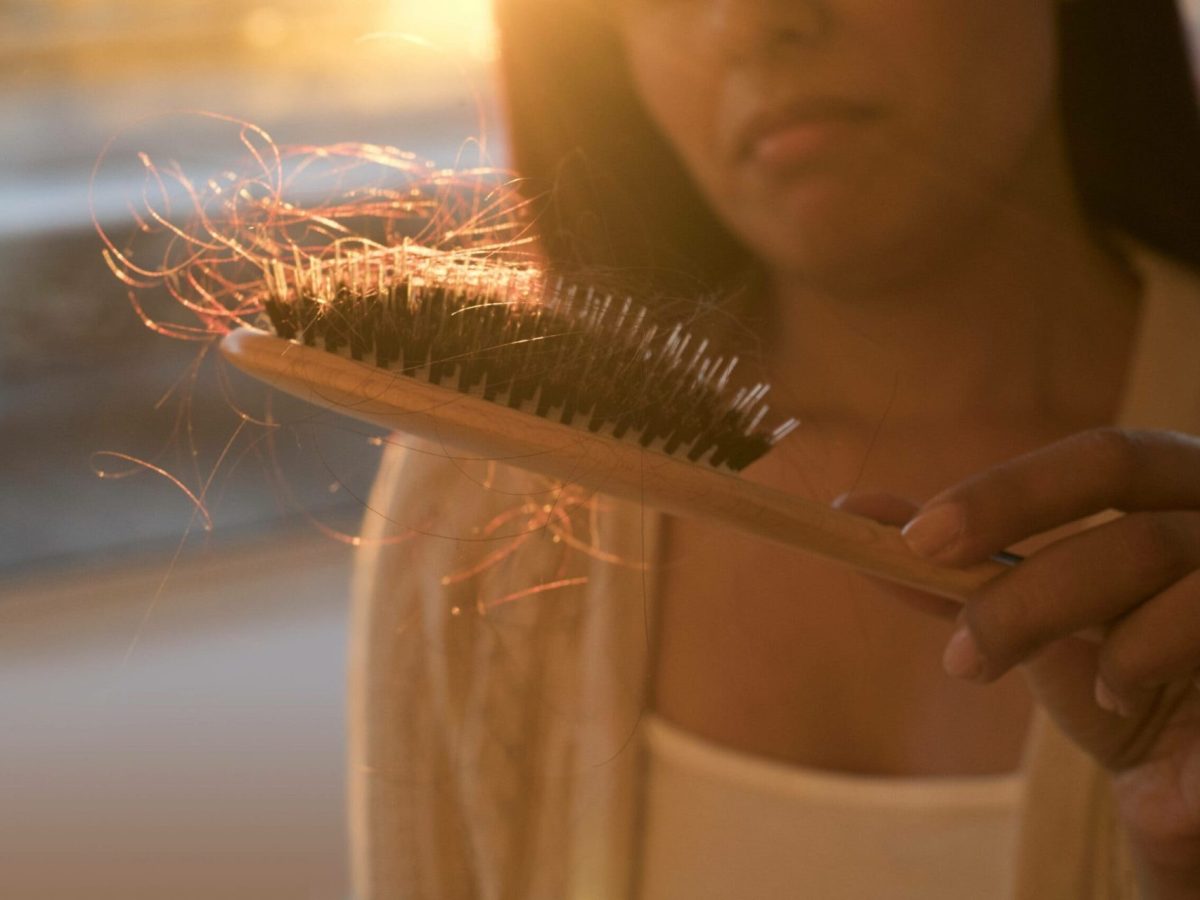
[(618, 196)]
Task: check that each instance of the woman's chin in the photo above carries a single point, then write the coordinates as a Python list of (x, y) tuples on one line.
[(836, 260), (846, 243)]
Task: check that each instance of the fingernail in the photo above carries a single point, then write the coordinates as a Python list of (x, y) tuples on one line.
[(1107, 700), (962, 658), (935, 530)]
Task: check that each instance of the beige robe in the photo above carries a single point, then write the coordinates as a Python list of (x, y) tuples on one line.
[(495, 750)]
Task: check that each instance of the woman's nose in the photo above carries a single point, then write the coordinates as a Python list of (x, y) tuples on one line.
[(751, 29)]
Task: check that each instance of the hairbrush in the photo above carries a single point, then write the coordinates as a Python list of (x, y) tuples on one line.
[(513, 365)]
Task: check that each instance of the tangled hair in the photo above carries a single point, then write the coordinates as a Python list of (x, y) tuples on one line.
[(619, 197)]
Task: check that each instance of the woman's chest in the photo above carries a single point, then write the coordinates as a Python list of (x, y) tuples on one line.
[(775, 652)]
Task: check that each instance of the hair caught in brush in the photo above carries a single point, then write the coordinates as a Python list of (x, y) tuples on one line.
[(309, 238)]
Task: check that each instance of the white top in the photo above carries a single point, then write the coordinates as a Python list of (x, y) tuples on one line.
[(501, 756), (724, 824)]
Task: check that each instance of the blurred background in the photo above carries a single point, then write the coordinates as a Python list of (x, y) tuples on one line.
[(171, 699)]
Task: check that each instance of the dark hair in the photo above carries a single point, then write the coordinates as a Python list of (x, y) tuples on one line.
[(618, 197)]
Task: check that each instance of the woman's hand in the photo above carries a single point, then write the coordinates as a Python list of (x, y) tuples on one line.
[(1129, 699)]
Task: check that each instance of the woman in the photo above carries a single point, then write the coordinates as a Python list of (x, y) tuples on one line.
[(958, 218)]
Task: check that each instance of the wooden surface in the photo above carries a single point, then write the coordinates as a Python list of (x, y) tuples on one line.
[(474, 427)]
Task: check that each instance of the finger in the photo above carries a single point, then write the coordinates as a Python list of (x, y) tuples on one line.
[(1156, 644), (1091, 578), (886, 508), (1102, 469), (892, 510)]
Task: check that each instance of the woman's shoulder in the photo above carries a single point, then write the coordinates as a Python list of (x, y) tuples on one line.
[(1163, 378), (1165, 278)]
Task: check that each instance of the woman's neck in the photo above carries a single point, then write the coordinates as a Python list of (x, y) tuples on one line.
[(1024, 321)]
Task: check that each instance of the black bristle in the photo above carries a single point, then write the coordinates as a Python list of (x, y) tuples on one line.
[(560, 352)]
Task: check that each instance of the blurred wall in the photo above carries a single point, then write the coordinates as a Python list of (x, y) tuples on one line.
[(174, 728)]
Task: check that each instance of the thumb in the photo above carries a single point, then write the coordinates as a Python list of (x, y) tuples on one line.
[(888, 509), (885, 508)]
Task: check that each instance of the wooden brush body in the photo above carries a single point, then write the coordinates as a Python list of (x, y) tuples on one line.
[(469, 425)]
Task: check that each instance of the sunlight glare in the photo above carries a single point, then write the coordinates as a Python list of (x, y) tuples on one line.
[(456, 27)]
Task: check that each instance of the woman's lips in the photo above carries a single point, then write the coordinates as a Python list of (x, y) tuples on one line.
[(792, 138), (797, 143)]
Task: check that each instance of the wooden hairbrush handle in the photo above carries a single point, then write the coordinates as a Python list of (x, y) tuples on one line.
[(610, 466)]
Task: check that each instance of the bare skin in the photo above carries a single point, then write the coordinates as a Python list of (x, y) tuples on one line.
[(782, 655), (905, 395), (951, 328)]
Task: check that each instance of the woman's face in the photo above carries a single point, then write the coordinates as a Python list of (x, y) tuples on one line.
[(853, 140)]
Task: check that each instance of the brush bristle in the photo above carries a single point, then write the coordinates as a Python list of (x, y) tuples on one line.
[(509, 335)]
